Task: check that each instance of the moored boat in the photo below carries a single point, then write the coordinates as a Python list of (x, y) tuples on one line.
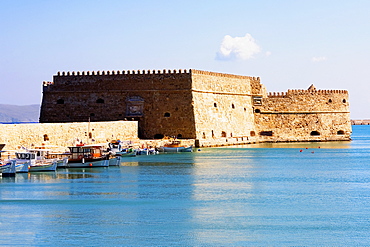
[(87, 156), (7, 168), (175, 146), (29, 161)]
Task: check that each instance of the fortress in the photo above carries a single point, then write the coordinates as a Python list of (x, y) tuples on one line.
[(212, 108)]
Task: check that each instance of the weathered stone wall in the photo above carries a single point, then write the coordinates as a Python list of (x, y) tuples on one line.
[(222, 106), (304, 115), (66, 134), (159, 100), (213, 108)]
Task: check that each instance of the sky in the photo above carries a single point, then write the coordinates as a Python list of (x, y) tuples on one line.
[(288, 44)]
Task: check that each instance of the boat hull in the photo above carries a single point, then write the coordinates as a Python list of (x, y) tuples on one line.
[(22, 167), (7, 168), (176, 149), (115, 161), (48, 167), (87, 163)]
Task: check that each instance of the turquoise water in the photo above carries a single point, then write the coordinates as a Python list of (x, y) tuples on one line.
[(257, 195)]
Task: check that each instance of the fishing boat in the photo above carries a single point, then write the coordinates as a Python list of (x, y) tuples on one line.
[(49, 152), (116, 149), (7, 168), (87, 156), (175, 146), (29, 161)]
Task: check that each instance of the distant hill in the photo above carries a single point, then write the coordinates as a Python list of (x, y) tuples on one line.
[(19, 114)]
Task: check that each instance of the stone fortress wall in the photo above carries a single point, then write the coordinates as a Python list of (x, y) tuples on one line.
[(212, 108), (304, 115), (65, 134)]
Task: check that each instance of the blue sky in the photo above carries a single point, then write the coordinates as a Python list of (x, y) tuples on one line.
[(289, 44)]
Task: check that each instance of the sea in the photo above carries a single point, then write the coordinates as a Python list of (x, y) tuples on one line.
[(287, 194)]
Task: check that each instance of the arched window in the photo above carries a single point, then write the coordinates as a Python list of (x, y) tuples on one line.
[(215, 104), (158, 136), (330, 101), (233, 106), (266, 133), (60, 101), (46, 138), (223, 134), (100, 101), (167, 114), (340, 132), (344, 101), (179, 136), (315, 133), (253, 133)]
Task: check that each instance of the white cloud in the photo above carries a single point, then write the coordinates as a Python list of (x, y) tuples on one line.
[(318, 59), (268, 53), (238, 48)]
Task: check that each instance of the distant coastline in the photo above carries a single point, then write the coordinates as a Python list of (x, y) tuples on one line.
[(19, 113)]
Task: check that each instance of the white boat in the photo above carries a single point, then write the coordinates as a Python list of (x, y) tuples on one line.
[(146, 151), (7, 168), (87, 156), (27, 161), (176, 149), (48, 151), (175, 146)]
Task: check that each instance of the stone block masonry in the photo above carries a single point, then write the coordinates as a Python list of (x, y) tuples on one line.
[(213, 109), (66, 134)]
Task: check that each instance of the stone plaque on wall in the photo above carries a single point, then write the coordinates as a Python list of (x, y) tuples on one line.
[(257, 100), (135, 106)]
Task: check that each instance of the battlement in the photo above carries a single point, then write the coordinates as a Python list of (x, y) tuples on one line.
[(153, 72), (123, 72), (291, 92)]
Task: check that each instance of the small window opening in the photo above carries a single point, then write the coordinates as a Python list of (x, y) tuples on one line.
[(315, 133), (204, 135), (100, 101), (344, 101), (213, 134), (60, 101), (330, 101), (340, 132), (233, 106), (92, 114), (167, 114), (253, 133), (223, 134), (257, 111), (215, 104), (158, 136), (266, 133), (231, 134), (179, 136)]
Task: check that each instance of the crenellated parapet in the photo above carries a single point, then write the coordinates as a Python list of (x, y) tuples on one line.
[(124, 72), (297, 92)]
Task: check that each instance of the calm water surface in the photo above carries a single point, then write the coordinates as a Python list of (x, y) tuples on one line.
[(256, 195)]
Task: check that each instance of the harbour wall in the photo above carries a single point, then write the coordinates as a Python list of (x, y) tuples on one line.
[(16, 136)]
